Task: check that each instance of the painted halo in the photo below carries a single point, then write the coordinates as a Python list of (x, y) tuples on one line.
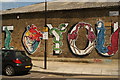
[(31, 39), (113, 47), (72, 37)]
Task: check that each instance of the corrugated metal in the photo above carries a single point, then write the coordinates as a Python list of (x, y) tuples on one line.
[(59, 6)]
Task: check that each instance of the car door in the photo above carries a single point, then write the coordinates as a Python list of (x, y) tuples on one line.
[(6, 58), (4, 54)]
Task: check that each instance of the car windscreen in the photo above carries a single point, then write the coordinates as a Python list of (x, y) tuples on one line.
[(7, 53), (20, 54)]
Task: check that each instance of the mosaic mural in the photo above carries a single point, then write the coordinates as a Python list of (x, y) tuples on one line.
[(73, 35), (57, 32), (113, 47), (7, 39), (32, 38)]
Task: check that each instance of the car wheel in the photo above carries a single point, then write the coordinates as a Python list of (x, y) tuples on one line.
[(9, 70)]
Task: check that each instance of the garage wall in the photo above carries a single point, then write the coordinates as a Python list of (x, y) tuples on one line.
[(55, 18)]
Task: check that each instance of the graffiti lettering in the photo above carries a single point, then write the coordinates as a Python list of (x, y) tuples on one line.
[(7, 39), (112, 49), (102, 60), (97, 60), (57, 32), (72, 37), (31, 38)]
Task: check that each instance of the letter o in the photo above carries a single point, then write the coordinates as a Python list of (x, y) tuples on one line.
[(72, 37)]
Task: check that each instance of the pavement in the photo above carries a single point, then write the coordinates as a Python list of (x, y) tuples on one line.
[(72, 66)]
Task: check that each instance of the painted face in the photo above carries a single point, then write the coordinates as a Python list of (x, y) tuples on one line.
[(99, 25)]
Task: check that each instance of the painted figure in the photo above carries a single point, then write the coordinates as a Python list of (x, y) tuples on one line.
[(101, 38), (113, 47), (7, 39)]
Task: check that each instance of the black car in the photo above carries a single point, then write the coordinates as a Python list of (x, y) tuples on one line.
[(15, 61)]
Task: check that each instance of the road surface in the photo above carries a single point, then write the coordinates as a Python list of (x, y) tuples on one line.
[(46, 76)]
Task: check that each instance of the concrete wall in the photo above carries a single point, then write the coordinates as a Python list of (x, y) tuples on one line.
[(55, 18)]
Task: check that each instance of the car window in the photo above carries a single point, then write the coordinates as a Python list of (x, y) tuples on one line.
[(1, 53), (6, 53), (20, 54)]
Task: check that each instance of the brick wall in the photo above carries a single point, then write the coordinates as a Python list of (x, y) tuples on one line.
[(55, 18)]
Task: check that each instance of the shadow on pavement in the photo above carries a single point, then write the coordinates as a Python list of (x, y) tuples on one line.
[(18, 74)]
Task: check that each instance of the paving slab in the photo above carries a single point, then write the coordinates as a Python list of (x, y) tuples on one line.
[(76, 68)]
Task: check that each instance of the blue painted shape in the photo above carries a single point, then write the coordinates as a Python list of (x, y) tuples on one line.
[(100, 39), (7, 39)]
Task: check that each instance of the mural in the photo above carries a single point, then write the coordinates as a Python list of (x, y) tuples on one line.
[(57, 32), (7, 39), (32, 38), (73, 35), (111, 49)]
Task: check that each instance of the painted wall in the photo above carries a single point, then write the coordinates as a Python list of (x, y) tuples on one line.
[(71, 17), (95, 41), (31, 38), (20, 27)]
